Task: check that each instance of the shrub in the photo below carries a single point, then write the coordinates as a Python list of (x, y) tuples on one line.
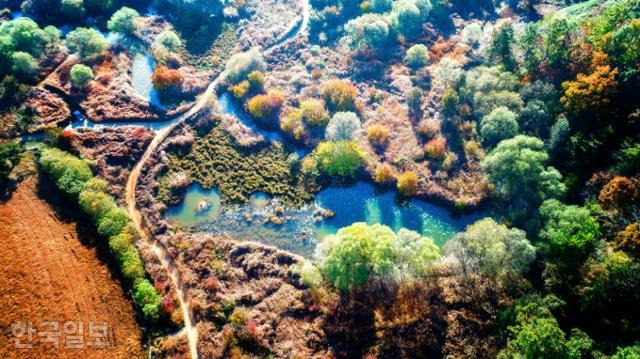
[(169, 40), (450, 103), (241, 65), (123, 21), (24, 65), (86, 42), (499, 125), (313, 113), (240, 90), (147, 298), (436, 147), (339, 95), (407, 16), (619, 193), (81, 75), (10, 153), (342, 158), (408, 183), (471, 34), (342, 126), (165, 78), (256, 80), (383, 174), (265, 107), (310, 275), (417, 56), (448, 72), (369, 30), (414, 99), (378, 134), (96, 203)]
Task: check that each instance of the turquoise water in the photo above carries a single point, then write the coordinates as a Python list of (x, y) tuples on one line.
[(300, 232), (187, 213)]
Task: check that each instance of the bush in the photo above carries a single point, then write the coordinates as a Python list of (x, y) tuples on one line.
[(342, 126), (10, 153), (256, 80), (471, 34), (339, 95), (408, 183), (165, 78), (414, 99), (369, 30), (342, 158), (407, 16), (240, 90), (383, 174), (378, 134), (72, 9), (81, 75), (24, 65), (169, 40), (241, 65), (147, 298), (86, 42), (499, 125), (123, 21), (436, 147), (417, 56), (265, 108), (450, 103), (313, 113)]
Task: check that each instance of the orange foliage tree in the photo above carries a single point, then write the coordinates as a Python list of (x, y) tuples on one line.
[(593, 90), (339, 95), (265, 107), (164, 77), (619, 193)]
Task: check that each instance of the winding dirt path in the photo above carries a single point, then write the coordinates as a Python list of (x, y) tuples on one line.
[(160, 136)]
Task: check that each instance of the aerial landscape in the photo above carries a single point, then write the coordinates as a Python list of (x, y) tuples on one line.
[(320, 179)]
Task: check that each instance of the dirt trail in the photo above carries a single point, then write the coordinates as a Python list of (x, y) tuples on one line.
[(53, 267), (132, 181)]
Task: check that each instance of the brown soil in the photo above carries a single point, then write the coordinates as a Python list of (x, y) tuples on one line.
[(52, 268)]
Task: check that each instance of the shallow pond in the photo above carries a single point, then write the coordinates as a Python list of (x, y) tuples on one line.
[(199, 205), (300, 232), (141, 71)]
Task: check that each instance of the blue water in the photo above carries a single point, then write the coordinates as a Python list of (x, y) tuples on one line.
[(362, 203), (300, 232), (141, 70)]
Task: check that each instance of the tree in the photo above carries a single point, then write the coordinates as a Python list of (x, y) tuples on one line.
[(383, 174), (361, 251), (86, 42), (164, 78), (535, 118), (72, 9), (123, 21), (414, 99), (491, 249), (265, 108), (339, 95), (593, 91), (24, 65), (517, 164), (406, 18), (81, 75), (242, 64), (408, 183), (499, 125), (417, 56), (10, 153), (113, 222), (342, 158), (369, 30), (501, 47), (23, 34), (569, 233), (312, 112), (471, 34), (620, 193), (148, 299), (625, 46), (169, 40), (381, 6), (342, 126)]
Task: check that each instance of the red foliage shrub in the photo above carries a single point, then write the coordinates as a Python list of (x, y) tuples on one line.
[(619, 193), (164, 77)]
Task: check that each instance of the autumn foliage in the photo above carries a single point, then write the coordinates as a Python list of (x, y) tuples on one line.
[(619, 193), (436, 148), (383, 174), (264, 107), (339, 95), (408, 183), (593, 90), (164, 77)]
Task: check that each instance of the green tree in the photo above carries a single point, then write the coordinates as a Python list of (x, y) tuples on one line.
[(24, 65), (10, 153), (517, 169), (342, 158), (535, 118), (501, 47), (72, 9), (491, 249), (148, 299), (123, 21), (417, 56), (86, 42), (499, 125), (369, 30), (169, 40), (81, 75), (569, 233), (113, 222)]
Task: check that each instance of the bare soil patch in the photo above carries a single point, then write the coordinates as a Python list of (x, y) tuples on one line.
[(54, 268)]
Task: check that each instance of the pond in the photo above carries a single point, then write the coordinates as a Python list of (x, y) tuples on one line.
[(199, 205), (300, 232), (141, 71)]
